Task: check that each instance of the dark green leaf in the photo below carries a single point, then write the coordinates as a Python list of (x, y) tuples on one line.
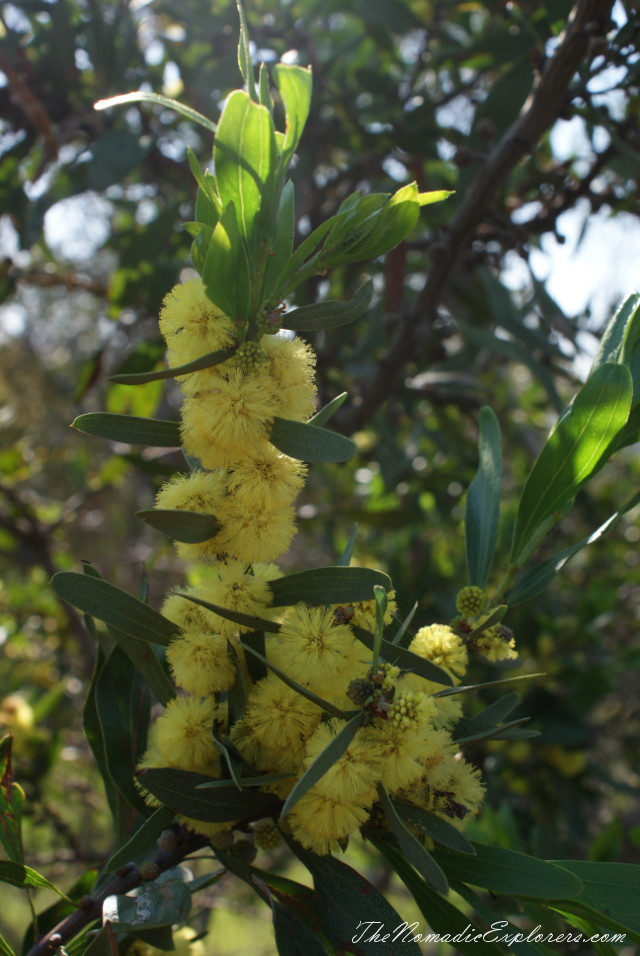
[(447, 922), (156, 904), (322, 416), (309, 442), (433, 826), (143, 838), (381, 607), (490, 916), (190, 526), (11, 799), (350, 905), (329, 314), (293, 937), (23, 876), (144, 658), (509, 872), (414, 851), (482, 510), (115, 607), (177, 789), (613, 888), (255, 640), (261, 781), (404, 627), (5, 949), (205, 361), (129, 429), (345, 558), (329, 585), (124, 705), (247, 620), (406, 660), (282, 243), (325, 759), (234, 764), (104, 944), (576, 448)]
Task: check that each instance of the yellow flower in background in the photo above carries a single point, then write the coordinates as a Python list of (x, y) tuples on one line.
[(317, 652), (267, 479), (289, 370), (200, 662), (250, 533), (321, 823), (192, 325), (183, 734), (438, 643), (225, 422)]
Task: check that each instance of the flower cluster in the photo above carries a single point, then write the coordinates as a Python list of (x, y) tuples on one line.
[(403, 741)]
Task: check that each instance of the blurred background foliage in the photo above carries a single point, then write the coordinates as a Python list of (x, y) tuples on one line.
[(91, 205)]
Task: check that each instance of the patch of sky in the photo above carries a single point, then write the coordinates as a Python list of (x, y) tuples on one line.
[(75, 228)]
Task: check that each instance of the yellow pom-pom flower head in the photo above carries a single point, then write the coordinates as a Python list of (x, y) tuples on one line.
[(192, 325), (438, 643), (201, 663), (183, 734)]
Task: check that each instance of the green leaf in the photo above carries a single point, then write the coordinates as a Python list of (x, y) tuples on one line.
[(322, 416), (129, 429), (115, 607), (247, 620), (24, 877), (230, 757), (325, 759), (225, 272), (140, 96), (329, 585), (281, 246), (310, 443), (120, 811), (293, 937), (536, 579), (5, 949), (324, 705), (447, 922), (244, 157), (434, 195), (350, 905), (490, 916), (482, 511), (190, 526), (260, 781), (612, 888), (177, 789), (255, 640), (205, 361), (413, 851), (104, 944), (145, 660), (345, 558), (329, 314), (381, 607), (404, 627), (294, 85), (143, 839), (11, 800), (296, 269), (156, 904), (406, 660), (244, 54), (392, 223), (576, 448), (612, 338), (123, 704), (509, 872), (433, 826)]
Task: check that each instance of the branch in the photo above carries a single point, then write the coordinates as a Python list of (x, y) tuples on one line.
[(126, 879), (588, 18)]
